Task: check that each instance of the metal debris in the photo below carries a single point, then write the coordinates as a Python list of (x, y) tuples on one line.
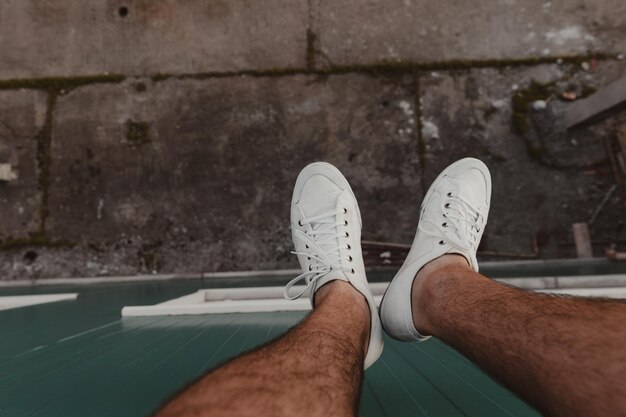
[(614, 255), (569, 95), (596, 104), (602, 204)]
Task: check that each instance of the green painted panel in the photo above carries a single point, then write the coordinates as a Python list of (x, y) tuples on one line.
[(79, 358)]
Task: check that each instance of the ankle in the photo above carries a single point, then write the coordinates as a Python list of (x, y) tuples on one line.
[(353, 305), (424, 290), (338, 288)]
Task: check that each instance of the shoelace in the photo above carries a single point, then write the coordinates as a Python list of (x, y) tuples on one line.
[(462, 226), (323, 245)]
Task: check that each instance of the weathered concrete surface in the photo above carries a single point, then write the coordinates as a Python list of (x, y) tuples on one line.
[(536, 195), (60, 38), (22, 116), (375, 31), (545, 132), (191, 175), (93, 37), (197, 175)]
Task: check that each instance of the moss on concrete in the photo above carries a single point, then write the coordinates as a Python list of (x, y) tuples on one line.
[(44, 159), (522, 100), (386, 68), (161, 77), (54, 86), (137, 133), (61, 85), (395, 67), (150, 261), (421, 142), (521, 106), (35, 240), (66, 84)]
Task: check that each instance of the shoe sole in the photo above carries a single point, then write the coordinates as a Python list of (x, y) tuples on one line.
[(427, 197)]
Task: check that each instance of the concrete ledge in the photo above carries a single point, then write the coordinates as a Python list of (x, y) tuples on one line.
[(91, 37), (17, 301), (357, 32), (242, 274), (531, 280), (95, 280), (63, 38), (270, 299)]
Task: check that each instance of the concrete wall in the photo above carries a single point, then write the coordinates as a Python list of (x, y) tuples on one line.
[(165, 136)]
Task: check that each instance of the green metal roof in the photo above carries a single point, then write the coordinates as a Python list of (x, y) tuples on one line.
[(80, 358)]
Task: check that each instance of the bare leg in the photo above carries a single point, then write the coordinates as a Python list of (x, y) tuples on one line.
[(315, 369), (566, 356)]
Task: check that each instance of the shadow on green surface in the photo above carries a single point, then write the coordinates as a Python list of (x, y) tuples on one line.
[(81, 359)]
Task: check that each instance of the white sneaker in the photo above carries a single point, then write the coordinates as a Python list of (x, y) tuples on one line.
[(326, 231), (452, 219)]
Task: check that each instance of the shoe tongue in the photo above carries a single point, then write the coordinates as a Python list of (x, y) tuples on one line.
[(319, 196)]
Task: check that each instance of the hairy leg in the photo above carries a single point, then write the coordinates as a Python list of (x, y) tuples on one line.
[(315, 369), (564, 355)]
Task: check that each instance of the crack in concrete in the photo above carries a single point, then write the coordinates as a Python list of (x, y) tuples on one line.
[(54, 87), (44, 159), (310, 40), (66, 84), (421, 142), (62, 85), (11, 131), (391, 68)]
